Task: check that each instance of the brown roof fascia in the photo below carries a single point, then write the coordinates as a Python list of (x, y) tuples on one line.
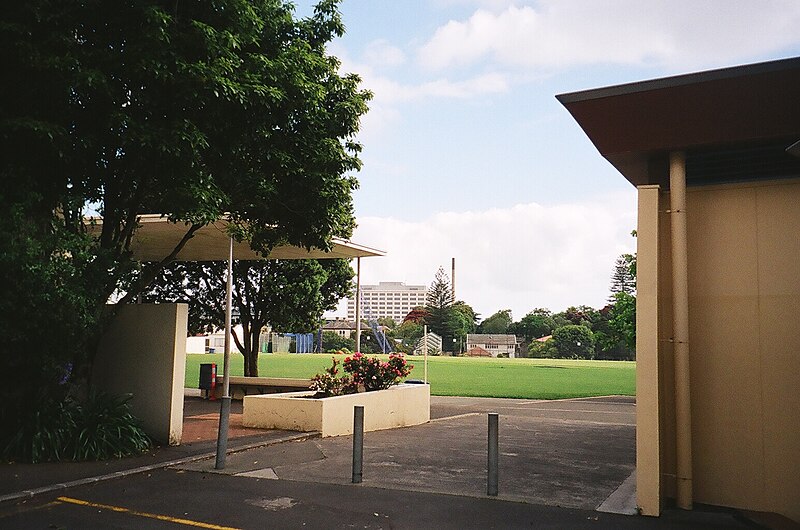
[(635, 125)]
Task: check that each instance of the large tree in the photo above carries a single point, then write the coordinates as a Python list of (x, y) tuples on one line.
[(574, 342), (194, 110), (465, 322), (498, 323), (623, 279), (288, 295), (535, 324), (440, 318), (622, 319)]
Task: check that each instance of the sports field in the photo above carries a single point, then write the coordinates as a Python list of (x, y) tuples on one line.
[(463, 376)]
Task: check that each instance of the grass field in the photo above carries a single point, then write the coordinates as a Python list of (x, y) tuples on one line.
[(464, 376)]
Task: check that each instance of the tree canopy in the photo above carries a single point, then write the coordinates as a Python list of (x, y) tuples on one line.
[(193, 110), (574, 341), (440, 318), (498, 323), (623, 279), (538, 323), (288, 295)]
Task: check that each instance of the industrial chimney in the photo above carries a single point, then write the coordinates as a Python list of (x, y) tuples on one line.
[(453, 280)]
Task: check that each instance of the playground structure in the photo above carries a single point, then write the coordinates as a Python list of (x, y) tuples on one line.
[(433, 341), (380, 336)]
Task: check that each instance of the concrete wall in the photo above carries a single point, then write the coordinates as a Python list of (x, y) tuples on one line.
[(144, 353), (744, 337), (648, 422), (398, 406)]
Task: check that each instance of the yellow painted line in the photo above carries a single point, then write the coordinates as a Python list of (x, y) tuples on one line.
[(167, 518)]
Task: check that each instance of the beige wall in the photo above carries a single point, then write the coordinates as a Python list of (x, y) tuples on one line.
[(744, 298), (144, 353), (648, 428), (398, 406)]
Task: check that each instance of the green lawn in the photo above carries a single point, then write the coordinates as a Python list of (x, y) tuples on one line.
[(462, 376)]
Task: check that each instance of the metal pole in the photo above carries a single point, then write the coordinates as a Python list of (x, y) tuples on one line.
[(225, 402), (358, 443), (493, 455), (425, 351), (358, 304), (680, 328)]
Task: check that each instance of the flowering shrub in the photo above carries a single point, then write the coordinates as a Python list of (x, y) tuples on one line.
[(327, 384), (367, 373), (374, 374)]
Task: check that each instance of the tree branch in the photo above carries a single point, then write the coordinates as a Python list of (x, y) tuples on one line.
[(152, 272)]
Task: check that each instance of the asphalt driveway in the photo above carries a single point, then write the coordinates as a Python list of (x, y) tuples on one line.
[(569, 453)]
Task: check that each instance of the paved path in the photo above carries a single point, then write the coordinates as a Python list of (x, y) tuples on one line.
[(563, 453), (560, 458)]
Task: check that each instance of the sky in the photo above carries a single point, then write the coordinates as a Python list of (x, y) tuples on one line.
[(468, 155)]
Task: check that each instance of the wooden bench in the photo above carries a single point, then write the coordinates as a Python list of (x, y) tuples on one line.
[(245, 386)]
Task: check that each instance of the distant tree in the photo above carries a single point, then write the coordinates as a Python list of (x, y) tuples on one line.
[(582, 315), (369, 344), (441, 319), (498, 323), (387, 322), (574, 342), (622, 318), (546, 349), (538, 323), (406, 335), (289, 295), (332, 342), (464, 322), (623, 279), (440, 294), (416, 315)]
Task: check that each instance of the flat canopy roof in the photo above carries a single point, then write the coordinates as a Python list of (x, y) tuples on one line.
[(634, 126), (156, 237)]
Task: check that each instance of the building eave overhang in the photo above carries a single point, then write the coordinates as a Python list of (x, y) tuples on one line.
[(634, 126), (156, 237)]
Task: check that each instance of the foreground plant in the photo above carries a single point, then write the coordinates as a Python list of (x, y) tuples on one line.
[(99, 428), (327, 384), (365, 373)]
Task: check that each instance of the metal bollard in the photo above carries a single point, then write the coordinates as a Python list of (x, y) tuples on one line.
[(358, 443), (493, 455), (222, 433)]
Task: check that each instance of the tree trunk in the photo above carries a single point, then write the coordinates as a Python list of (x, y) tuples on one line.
[(251, 346)]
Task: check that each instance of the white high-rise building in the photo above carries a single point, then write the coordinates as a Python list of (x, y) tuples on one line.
[(388, 299)]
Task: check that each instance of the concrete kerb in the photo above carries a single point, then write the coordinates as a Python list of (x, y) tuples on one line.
[(28, 494)]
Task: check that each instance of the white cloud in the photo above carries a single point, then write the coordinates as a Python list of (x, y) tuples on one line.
[(380, 53), (388, 93), (675, 34), (521, 257), (493, 4)]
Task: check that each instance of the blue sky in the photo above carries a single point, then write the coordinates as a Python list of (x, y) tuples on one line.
[(467, 153)]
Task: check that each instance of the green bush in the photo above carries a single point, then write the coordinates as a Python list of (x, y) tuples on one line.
[(102, 427), (546, 350), (574, 342)]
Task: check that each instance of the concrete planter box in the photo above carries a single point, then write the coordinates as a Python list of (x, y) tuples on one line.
[(398, 406), (243, 386)]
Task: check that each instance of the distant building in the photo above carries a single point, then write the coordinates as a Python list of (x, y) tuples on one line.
[(388, 299), (477, 351), (492, 343), (343, 328)]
